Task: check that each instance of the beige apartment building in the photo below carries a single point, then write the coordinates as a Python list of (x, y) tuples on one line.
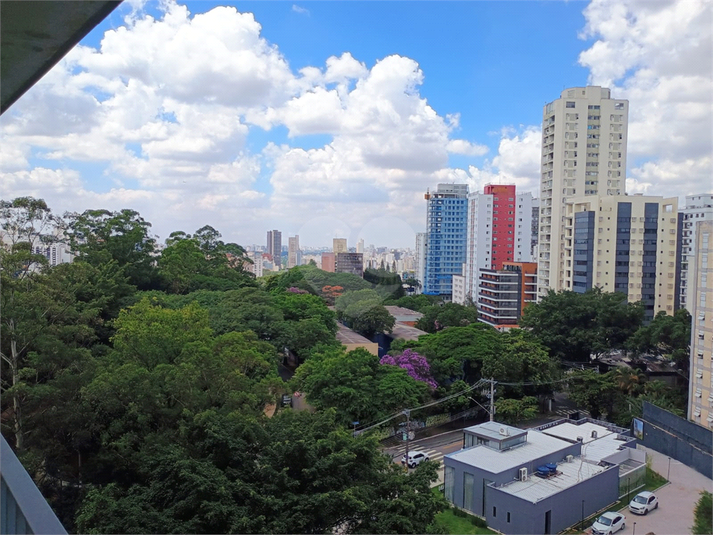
[(339, 245), (584, 140), (623, 243), (700, 390)]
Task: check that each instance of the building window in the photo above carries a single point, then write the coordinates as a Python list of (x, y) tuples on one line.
[(468, 481), (495, 512), (449, 483), (570, 104), (508, 517)]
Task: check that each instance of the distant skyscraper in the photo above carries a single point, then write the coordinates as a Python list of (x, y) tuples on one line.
[(293, 252), (274, 246), (339, 245), (421, 240), (360, 246), (698, 208), (499, 230), (329, 262), (584, 138), (350, 263), (446, 226), (256, 267)]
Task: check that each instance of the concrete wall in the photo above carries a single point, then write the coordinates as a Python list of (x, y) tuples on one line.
[(566, 506), (680, 439)]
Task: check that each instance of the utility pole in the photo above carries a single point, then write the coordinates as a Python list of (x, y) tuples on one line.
[(407, 412), (492, 399)]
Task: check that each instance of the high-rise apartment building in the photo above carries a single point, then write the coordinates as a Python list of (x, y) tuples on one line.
[(293, 251), (698, 208), (256, 267), (274, 246), (446, 228), (700, 391), (623, 244), (58, 253), (360, 246), (421, 241), (504, 293), (329, 262), (339, 245), (350, 263), (499, 230), (534, 228), (584, 140)]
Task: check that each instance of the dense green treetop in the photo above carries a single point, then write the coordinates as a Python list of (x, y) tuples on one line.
[(438, 317), (357, 385), (575, 327)]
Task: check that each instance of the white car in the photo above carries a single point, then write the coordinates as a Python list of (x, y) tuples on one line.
[(414, 458), (644, 502), (608, 523)]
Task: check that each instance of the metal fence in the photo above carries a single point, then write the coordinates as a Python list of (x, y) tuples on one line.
[(394, 434)]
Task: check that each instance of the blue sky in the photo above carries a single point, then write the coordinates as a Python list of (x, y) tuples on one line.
[(332, 118)]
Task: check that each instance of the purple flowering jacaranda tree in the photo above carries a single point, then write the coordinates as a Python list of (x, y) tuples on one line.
[(416, 365)]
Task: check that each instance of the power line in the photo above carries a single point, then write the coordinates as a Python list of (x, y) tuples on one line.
[(480, 383)]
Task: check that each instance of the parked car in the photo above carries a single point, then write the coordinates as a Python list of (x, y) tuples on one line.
[(644, 502), (608, 523), (414, 458)]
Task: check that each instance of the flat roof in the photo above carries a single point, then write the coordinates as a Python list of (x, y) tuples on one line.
[(535, 489), (406, 332), (346, 336), (538, 445), (593, 449), (403, 314), (492, 430), (570, 431)]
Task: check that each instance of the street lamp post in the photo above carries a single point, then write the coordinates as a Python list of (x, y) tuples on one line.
[(634, 533), (668, 474)]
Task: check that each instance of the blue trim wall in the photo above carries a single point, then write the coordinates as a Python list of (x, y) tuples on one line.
[(583, 257), (623, 247)]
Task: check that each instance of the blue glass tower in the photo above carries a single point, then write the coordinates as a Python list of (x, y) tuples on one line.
[(446, 227)]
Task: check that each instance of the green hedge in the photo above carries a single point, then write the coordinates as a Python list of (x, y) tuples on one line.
[(475, 520)]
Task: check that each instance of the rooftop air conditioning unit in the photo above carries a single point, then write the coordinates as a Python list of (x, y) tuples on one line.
[(523, 474), (580, 439), (569, 458), (594, 433), (504, 431)]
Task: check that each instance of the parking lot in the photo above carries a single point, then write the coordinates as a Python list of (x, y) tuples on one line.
[(677, 500)]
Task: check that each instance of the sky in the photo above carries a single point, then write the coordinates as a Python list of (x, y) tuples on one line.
[(332, 119)]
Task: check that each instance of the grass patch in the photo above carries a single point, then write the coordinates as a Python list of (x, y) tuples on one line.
[(454, 523), (458, 522)]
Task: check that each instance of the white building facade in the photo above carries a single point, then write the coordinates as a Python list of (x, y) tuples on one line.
[(698, 208), (584, 143)]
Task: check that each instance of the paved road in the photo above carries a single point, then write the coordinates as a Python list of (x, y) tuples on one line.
[(436, 447)]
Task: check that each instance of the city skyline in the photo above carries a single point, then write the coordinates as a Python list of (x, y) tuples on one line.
[(287, 118)]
